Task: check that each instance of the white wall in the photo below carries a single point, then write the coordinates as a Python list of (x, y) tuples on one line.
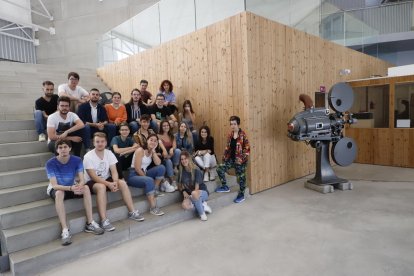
[(16, 14), (79, 24)]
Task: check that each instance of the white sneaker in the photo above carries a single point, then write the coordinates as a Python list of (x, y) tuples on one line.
[(167, 187), (207, 208), (42, 137), (203, 217), (206, 177)]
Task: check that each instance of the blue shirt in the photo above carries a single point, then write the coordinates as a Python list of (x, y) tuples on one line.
[(64, 173), (122, 144)]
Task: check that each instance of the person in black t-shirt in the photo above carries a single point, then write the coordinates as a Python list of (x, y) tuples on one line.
[(160, 112), (44, 106)]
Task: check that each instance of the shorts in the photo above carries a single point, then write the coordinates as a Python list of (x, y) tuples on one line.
[(68, 195), (91, 182)]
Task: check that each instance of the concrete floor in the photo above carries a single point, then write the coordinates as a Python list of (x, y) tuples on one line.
[(288, 230)]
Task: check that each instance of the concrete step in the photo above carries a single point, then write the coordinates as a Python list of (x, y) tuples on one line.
[(18, 136), (22, 177), (23, 194), (14, 125), (46, 256), (43, 209), (10, 149), (22, 115), (40, 232), (39, 215), (21, 162)]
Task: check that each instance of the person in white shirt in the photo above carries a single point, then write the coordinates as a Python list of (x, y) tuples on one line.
[(76, 94), (101, 176), (64, 124)]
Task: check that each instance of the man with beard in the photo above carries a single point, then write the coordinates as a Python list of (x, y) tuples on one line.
[(64, 124), (95, 119), (44, 106)]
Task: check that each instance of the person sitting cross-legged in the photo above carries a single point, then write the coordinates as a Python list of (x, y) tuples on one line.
[(65, 173), (102, 176)]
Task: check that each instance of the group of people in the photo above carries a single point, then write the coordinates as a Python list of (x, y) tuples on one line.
[(146, 154)]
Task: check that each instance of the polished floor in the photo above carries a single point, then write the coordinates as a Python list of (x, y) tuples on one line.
[(287, 230)]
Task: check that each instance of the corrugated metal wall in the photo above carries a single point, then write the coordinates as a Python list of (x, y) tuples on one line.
[(16, 49)]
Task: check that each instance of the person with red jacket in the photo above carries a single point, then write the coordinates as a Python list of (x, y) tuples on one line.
[(235, 156)]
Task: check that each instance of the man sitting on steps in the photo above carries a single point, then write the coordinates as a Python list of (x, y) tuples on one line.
[(64, 124), (65, 173), (44, 106), (102, 175)]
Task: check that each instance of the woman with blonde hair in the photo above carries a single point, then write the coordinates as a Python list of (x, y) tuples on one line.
[(192, 187)]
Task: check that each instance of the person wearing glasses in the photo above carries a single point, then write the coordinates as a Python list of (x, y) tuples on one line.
[(76, 93), (161, 112)]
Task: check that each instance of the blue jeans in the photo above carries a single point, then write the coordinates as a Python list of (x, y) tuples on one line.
[(109, 129), (176, 157), (198, 204), (134, 126), (168, 167), (40, 122), (147, 181)]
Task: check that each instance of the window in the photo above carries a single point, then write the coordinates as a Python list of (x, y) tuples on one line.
[(403, 105), (371, 107)]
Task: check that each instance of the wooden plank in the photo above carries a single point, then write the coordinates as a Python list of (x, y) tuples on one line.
[(255, 68)]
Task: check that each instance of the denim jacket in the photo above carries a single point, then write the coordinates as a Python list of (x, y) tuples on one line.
[(183, 143)]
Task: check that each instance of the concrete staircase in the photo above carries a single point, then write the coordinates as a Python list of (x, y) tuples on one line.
[(29, 227), (21, 85)]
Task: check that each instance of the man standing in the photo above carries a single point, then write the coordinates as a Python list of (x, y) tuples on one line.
[(235, 156), (44, 106), (65, 173), (95, 119), (76, 94), (160, 112), (101, 176), (64, 124), (146, 96)]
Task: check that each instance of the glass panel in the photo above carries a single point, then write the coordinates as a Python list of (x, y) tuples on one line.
[(404, 105), (177, 18), (217, 10), (371, 107), (146, 28)]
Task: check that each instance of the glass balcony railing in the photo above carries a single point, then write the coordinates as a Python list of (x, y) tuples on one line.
[(169, 19)]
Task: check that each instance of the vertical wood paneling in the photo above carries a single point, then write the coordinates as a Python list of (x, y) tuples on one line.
[(252, 67)]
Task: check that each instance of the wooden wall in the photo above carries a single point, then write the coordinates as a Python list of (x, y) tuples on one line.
[(384, 146), (253, 67)]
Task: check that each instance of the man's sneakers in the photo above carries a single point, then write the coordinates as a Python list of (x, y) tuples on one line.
[(240, 198), (107, 226), (156, 211), (223, 189), (42, 137), (207, 208), (66, 237), (93, 227), (135, 215)]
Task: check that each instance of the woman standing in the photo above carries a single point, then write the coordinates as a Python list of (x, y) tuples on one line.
[(204, 153), (146, 172), (116, 111), (190, 183)]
